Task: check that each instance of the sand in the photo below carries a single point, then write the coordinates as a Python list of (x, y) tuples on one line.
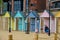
[(18, 35)]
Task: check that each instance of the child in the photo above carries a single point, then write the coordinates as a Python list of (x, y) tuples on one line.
[(46, 29)]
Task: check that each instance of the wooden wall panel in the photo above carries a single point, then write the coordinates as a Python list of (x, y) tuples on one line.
[(6, 23), (16, 23)]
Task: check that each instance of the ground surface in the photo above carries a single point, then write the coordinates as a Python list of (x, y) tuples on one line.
[(17, 35)]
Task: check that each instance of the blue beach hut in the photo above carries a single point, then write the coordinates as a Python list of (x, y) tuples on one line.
[(33, 16), (20, 21)]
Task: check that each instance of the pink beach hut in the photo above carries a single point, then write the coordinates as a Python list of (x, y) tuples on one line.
[(45, 19)]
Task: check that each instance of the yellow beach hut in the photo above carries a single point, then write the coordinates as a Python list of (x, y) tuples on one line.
[(6, 21), (57, 16)]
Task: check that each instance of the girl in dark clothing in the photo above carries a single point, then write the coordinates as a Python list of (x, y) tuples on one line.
[(46, 29)]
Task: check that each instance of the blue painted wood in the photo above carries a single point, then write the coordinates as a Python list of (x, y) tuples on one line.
[(31, 15), (26, 4), (32, 21), (32, 25), (38, 25)]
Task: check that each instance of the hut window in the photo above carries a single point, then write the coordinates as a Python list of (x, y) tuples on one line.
[(26, 3), (58, 4), (5, 7), (17, 5), (32, 20)]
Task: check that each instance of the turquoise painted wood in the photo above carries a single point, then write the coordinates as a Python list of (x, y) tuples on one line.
[(20, 24), (21, 21), (18, 14), (24, 25)]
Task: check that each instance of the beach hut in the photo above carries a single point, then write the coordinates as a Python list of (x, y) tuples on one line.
[(34, 22), (20, 21), (57, 17), (5, 20), (45, 18)]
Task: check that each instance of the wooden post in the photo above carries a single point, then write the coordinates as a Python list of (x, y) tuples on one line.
[(55, 36), (16, 24), (12, 6), (36, 34), (22, 25), (28, 26), (1, 6), (35, 23), (10, 36), (10, 33), (24, 6)]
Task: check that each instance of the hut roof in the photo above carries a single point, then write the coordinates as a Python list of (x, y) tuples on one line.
[(46, 13), (19, 14), (7, 14), (33, 14)]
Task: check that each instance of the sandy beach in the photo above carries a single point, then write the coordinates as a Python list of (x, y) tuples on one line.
[(17, 35)]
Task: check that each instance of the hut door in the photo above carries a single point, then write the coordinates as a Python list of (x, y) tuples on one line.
[(32, 24), (1, 28), (20, 24), (46, 24)]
